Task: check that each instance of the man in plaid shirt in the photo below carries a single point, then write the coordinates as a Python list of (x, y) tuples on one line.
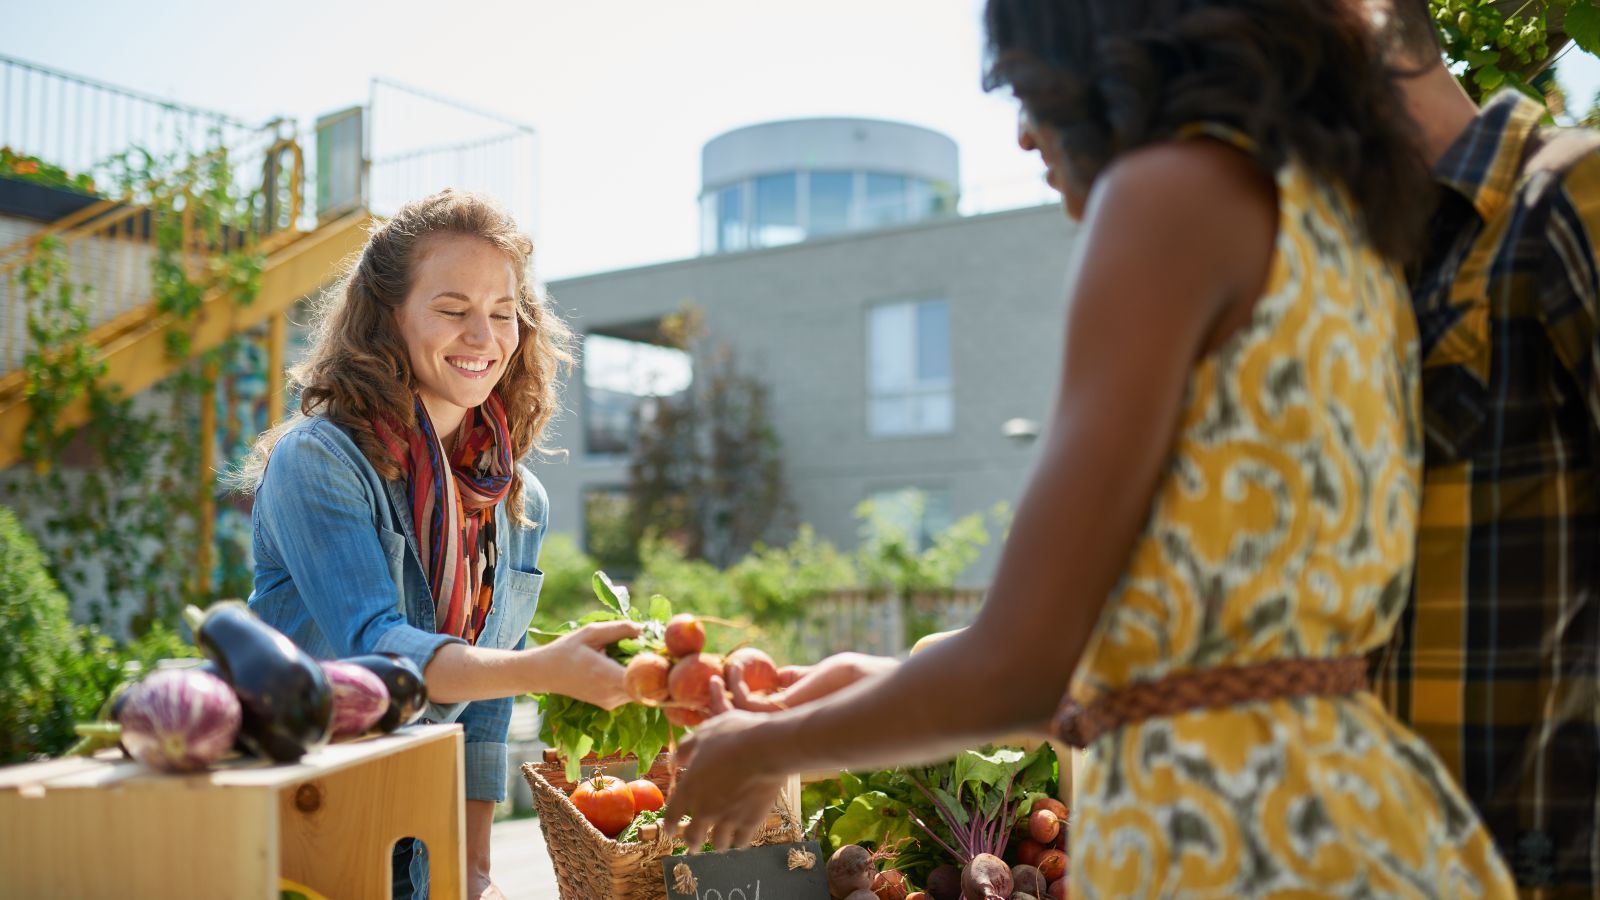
[(1497, 661)]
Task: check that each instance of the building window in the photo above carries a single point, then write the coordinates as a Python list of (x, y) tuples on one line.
[(777, 218), (785, 207), (830, 201), (886, 202), (917, 514), (621, 380), (731, 231), (908, 369)]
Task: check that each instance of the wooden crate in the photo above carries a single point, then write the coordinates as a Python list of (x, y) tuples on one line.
[(114, 828)]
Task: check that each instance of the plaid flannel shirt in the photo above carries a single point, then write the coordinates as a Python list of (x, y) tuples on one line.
[(1497, 660)]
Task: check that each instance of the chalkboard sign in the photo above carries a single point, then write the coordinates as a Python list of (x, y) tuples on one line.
[(773, 872)]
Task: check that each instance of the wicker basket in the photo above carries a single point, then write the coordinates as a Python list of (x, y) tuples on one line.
[(555, 772), (591, 866)]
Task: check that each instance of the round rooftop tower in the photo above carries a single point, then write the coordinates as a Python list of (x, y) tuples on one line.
[(781, 182)]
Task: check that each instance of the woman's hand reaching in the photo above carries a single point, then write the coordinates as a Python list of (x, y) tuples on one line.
[(799, 685), (575, 665), (727, 786)]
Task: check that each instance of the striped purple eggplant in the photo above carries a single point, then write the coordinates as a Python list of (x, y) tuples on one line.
[(179, 720), (359, 698)]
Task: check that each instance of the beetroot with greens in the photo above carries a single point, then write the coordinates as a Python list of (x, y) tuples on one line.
[(179, 720), (359, 698), (986, 877)]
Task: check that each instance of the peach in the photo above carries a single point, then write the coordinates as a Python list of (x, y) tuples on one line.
[(756, 669), (646, 678), (690, 679), (684, 635)]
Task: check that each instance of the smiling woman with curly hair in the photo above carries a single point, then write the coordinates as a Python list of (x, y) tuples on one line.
[(392, 514)]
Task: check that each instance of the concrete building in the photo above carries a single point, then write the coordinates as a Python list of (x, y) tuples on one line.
[(896, 355), (782, 182)]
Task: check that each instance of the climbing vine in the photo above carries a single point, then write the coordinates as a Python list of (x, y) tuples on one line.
[(1513, 43), (123, 516)]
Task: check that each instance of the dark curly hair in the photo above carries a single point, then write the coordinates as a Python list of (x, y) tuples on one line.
[(1300, 78)]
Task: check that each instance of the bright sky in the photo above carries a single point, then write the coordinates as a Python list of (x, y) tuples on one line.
[(622, 92)]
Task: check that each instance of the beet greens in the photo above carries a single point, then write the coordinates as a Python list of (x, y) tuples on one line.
[(982, 822)]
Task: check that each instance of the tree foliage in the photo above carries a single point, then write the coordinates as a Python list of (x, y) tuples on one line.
[(706, 472), (1513, 43)]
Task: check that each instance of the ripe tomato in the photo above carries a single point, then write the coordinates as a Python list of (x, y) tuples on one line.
[(646, 796), (606, 802)]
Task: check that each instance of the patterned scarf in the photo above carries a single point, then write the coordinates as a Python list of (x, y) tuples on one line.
[(452, 508)]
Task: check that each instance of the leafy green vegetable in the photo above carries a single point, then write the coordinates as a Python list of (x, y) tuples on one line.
[(631, 833), (873, 817), (574, 728), (982, 791), (610, 594)]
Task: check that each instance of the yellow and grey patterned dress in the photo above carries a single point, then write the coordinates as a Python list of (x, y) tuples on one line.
[(1283, 527)]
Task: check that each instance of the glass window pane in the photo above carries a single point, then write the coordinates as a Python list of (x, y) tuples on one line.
[(730, 218), (891, 348), (933, 341), (908, 369), (777, 214), (886, 200), (919, 199), (889, 416), (934, 413), (830, 194), (608, 421), (619, 377)]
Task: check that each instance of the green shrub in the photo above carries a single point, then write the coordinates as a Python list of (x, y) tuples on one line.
[(568, 572), (774, 584), (693, 585), (36, 708), (54, 674)]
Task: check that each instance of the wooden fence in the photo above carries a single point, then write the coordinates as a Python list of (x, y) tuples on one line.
[(883, 623)]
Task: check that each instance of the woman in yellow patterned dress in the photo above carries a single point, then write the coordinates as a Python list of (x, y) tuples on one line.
[(1221, 522)]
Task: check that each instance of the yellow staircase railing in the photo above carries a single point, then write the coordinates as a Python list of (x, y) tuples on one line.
[(156, 276), (108, 249)]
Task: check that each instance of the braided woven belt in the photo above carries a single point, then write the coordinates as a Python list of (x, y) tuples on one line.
[(1184, 692)]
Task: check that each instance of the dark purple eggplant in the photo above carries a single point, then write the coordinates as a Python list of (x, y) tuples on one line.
[(285, 698), (408, 695), (212, 668)]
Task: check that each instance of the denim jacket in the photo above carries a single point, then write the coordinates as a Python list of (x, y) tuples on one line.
[(338, 571)]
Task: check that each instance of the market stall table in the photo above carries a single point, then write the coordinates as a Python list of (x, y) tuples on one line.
[(115, 828)]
